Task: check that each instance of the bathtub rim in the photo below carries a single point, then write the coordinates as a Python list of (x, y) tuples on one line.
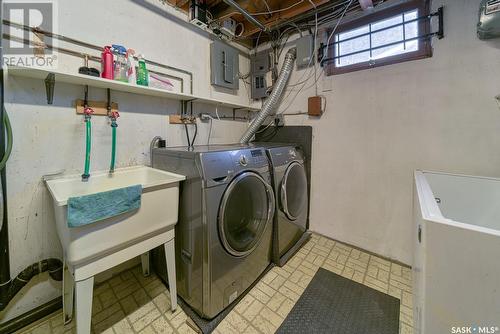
[(430, 210)]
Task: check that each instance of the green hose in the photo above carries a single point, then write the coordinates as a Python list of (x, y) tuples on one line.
[(8, 130), (113, 146), (88, 126)]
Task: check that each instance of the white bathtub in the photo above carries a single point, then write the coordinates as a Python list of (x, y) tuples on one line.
[(457, 253)]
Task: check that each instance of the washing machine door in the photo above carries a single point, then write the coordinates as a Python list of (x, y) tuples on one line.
[(246, 209), (293, 191)]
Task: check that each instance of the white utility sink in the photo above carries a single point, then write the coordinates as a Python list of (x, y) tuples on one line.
[(96, 247), (158, 211)]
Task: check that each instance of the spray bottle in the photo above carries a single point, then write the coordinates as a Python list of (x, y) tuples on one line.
[(120, 73)]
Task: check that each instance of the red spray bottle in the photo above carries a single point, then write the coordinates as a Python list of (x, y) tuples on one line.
[(107, 63)]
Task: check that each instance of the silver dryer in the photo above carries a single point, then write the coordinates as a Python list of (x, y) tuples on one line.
[(292, 202)]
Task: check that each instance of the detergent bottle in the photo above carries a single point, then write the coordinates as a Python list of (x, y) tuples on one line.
[(142, 72)]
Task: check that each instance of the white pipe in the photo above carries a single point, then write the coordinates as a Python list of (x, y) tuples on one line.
[(246, 14), (366, 4)]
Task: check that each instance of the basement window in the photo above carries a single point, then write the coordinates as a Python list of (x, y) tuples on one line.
[(388, 36)]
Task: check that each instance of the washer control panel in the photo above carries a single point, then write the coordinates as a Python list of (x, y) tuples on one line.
[(251, 158), (258, 157)]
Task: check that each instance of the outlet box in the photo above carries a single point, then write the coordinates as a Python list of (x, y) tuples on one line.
[(205, 117), (315, 106), (280, 120), (228, 27)]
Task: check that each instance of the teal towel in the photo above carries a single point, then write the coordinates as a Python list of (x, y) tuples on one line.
[(89, 209)]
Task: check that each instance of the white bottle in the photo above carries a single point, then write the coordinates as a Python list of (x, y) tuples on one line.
[(131, 67)]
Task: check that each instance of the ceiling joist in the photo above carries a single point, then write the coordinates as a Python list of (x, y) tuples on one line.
[(268, 12)]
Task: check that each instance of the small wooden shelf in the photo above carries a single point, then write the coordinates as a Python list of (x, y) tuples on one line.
[(80, 79)]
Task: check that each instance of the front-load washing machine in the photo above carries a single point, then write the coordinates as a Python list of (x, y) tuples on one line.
[(292, 202), (223, 237)]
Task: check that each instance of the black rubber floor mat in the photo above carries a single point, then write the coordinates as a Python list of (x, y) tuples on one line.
[(337, 305)]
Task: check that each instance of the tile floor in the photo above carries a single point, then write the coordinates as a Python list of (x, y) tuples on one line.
[(131, 303)]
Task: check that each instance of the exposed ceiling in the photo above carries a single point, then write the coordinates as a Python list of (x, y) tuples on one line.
[(271, 13)]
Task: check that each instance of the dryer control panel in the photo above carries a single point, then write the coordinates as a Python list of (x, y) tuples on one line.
[(282, 156)]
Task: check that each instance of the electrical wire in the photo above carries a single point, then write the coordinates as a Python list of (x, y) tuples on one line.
[(315, 36), (191, 142), (210, 130), (334, 29), (265, 128), (269, 12), (267, 6), (195, 132), (314, 53), (279, 10), (310, 59), (8, 140), (187, 134), (257, 43)]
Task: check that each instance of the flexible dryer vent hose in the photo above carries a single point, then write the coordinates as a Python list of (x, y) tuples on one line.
[(274, 99)]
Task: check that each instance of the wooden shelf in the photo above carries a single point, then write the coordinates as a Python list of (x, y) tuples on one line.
[(80, 79)]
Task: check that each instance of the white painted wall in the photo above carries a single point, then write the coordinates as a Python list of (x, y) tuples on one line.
[(50, 138), (381, 124)]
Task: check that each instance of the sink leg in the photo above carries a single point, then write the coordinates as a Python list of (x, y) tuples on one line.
[(170, 257), (68, 293), (84, 291), (145, 264)]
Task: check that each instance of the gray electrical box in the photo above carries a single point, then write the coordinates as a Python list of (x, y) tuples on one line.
[(260, 64), (224, 65), (305, 51)]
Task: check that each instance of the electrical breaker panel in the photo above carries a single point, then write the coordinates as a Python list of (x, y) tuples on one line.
[(261, 65), (224, 63), (305, 51)]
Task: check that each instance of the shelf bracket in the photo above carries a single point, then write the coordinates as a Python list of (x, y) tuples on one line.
[(50, 82)]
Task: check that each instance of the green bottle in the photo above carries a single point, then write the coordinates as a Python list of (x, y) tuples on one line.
[(142, 72)]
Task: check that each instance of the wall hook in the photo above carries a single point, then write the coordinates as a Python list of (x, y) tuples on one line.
[(50, 82)]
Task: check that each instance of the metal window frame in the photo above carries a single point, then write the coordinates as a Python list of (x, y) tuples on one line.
[(424, 37)]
